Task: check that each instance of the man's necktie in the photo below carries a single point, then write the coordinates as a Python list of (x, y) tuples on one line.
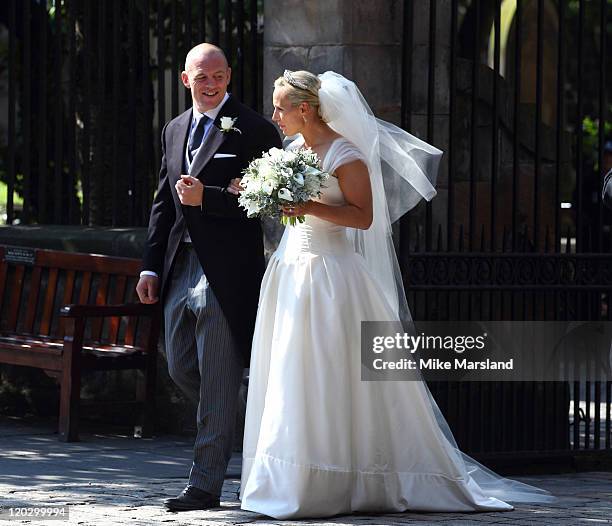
[(197, 136)]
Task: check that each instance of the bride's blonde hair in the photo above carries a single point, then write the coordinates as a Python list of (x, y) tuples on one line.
[(301, 86)]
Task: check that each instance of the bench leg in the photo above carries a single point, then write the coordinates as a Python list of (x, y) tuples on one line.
[(146, 385), (69, 407), (146, 396), (70, 390)]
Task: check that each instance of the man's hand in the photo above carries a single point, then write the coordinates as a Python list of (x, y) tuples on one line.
[(190, 190), (147, 289), (235, 187)]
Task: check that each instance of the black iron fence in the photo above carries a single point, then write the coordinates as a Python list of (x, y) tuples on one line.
[(516, 93), (90, 85), (510, 416)]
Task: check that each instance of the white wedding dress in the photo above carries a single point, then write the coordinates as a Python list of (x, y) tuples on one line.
[(319, 441)]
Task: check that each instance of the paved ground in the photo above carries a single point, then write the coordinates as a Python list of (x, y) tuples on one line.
[(113, 479)]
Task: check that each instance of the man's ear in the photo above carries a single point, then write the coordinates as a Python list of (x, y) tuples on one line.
[(185, 79)]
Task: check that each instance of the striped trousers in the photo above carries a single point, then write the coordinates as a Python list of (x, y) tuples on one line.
[(206, 365)]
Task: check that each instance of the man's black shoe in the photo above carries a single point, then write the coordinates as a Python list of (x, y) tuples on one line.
[(192, 498)]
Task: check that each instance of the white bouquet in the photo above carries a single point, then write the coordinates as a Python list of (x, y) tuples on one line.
[(280, 178)]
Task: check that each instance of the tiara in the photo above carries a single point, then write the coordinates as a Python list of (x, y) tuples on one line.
[(288, 76)]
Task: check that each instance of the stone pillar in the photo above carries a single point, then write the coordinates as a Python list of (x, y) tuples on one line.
[(360, 39)]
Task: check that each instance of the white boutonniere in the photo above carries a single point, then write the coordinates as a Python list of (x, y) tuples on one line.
[(227, 125)]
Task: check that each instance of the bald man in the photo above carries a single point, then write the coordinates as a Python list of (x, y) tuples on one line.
[(204, 261)]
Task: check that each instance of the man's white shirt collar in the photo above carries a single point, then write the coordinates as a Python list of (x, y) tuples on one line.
[(213, 112)]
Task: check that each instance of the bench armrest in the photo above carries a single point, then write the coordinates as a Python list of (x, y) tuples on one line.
[(103, 311)]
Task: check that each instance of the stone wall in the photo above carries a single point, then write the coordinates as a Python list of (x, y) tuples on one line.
[(360, 39)]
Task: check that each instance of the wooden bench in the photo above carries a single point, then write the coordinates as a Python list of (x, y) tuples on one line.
[(68, 313)]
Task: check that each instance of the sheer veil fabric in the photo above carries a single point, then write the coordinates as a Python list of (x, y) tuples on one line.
[(403, 170)]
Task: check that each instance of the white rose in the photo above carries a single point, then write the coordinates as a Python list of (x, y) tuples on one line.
[(268, 187), (299, 179), (252, 208), (227, 123), (266, 171), (251, 184), (288, 156), (276, 153)]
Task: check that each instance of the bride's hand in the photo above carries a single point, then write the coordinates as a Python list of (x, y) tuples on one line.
[(235, 187), (297, 210)]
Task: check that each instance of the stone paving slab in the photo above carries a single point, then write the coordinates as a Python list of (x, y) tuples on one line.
[(110, 479)]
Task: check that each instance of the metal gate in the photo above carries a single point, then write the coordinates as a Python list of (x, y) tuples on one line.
[(515, 92), (91, 85)]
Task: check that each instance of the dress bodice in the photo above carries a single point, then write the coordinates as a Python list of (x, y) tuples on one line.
[(316, 235)]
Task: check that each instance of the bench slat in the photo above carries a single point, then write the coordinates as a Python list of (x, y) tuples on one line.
[(43, 358), (132, 326), (85, 287), (15, 300), (130, 331), (88, 262), (101, 299), (33, 299), (32, 343), (102, 293), (48, 355), (117, 299), (67, 299), (45, 324), (3, 272), (69, 287)]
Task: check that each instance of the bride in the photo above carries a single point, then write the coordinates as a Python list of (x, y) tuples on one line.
[(319, 441)]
